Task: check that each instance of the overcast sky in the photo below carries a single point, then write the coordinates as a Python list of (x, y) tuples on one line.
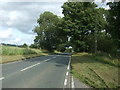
[(19, 18)]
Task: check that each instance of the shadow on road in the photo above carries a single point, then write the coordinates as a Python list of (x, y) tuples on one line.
[(60, 60)]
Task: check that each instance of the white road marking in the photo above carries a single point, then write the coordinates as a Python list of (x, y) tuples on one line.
[(66, 73), (72, 83), (1, 78), (20, 61), (46, 60), (65, 82), (68, 67), (30, 67), (36, 64), (69, 64)]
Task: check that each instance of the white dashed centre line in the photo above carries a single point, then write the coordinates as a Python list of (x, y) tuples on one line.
[(36, 64), (30, 67), (2, 78)]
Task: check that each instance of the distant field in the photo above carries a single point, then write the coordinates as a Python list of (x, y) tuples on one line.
[(98, 71), (10, 54), (7, 50)]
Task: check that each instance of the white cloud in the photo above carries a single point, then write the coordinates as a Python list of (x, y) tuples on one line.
[(20, 18), (33, 0), (61, 15), (4, 34), (23, 15), (15, 41), (107, 7), (14, 18)]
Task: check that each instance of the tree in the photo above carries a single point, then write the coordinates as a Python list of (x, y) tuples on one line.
[(24, 45), (33, 46), (105, 43), (82, 19), (47, 31), (114, 22)]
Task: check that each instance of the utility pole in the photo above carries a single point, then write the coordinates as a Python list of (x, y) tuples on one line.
[(95, 41)]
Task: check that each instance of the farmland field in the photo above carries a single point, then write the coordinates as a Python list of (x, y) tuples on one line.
[(10, 54)]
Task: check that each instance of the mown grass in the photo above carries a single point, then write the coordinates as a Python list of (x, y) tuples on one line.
[(10, 54), (96, 70)]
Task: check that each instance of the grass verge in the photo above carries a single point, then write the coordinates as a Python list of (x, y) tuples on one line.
[(96, 70), (11, 54)]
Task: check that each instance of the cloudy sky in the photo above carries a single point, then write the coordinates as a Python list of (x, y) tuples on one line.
[(19, 18)]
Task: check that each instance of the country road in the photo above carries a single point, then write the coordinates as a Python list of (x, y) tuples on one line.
[(41, 72), (52, 71)]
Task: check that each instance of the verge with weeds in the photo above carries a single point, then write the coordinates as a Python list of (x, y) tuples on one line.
[(96, 70)]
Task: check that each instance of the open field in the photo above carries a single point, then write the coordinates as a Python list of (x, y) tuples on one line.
[(98, 71), (10, 54), (7, 50)]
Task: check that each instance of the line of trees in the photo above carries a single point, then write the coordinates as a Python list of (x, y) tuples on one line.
[(84, 27)]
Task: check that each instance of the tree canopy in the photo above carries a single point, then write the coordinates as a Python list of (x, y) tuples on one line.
[(84, 27), (80, 20), (46, 31), (114, 21)]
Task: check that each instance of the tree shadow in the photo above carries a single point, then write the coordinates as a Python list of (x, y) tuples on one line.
[(60, 61), (34, 58)]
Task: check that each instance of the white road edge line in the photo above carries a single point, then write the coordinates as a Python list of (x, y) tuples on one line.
[(1, 78), (69, 63), (66, 73), (65, 82), (72, 83), (68, 67)]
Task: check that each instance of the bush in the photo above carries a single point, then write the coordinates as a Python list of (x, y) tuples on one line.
[(104, 43)]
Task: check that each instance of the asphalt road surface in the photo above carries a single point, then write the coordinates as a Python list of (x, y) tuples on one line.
[(41, 72)]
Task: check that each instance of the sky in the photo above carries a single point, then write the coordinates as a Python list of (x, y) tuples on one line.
[(18, 19)]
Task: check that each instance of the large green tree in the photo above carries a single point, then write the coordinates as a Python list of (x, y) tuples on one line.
[(114, 21), (82, 19), (47, 35)]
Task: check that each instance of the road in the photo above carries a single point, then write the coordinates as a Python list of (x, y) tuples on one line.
[(41, 72)]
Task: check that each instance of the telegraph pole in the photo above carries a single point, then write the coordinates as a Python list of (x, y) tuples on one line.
[(95, 41)]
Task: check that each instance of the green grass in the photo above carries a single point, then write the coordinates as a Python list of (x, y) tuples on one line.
[(96, 70), (7, 50), (10, 54)]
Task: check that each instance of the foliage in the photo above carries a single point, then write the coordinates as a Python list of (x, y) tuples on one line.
[(61, 47), (82, 19), (33, 46), (113, 20), (24, 45), (84, 26), (104, 43), (46, 31)]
